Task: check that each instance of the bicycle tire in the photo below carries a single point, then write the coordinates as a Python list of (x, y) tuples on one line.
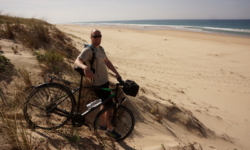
[(49, 106), (125, 122)]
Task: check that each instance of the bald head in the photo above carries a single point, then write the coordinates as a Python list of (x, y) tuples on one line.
[(96, 37), (94, 31)]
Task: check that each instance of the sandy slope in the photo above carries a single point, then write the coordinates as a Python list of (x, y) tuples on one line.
[(23, 59), (208, 75)]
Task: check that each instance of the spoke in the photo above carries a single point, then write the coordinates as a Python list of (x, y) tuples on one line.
[(37, 107), (61, 112)]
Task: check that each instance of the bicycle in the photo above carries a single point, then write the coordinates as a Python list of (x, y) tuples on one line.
[(51, 105)]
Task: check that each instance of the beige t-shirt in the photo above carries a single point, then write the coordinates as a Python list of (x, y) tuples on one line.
[(101, 73)]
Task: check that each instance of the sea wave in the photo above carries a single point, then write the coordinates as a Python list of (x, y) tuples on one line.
[(228, 29), (199, 28)]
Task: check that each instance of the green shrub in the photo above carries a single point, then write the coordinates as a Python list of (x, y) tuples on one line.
[(5, 65), (51, 61), (49, 57)]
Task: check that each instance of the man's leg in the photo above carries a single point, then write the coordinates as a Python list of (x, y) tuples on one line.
[(109, 115), (103, 95), (103, 120)]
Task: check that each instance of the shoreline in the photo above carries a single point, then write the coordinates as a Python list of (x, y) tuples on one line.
[(204, 36), (177, 33), (145, 27)]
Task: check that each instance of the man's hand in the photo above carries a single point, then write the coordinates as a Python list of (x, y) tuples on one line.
[(118, 77), (88, 73)]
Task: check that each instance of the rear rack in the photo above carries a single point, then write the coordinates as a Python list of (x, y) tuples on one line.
[(51, 78)]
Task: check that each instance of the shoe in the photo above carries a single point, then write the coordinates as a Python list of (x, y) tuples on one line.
[(113, 134), (102, 127)]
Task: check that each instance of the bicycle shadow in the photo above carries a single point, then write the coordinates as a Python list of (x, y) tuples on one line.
[(125, 145), (70, 142)]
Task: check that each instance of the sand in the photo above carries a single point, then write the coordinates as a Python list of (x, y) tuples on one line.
[(199, 82)]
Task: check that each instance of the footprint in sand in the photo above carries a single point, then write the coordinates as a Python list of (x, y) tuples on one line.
[(212, 147)]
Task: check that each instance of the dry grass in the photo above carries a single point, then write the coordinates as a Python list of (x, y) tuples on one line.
[(15, 134), (25, 78)]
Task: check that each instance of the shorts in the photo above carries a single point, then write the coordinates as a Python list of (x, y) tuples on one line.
[(101, 94)]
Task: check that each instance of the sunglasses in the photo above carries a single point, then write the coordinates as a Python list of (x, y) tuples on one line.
[(97, 36)]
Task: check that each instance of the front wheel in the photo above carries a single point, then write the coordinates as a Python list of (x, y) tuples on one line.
[(49, 106), (121, 118)]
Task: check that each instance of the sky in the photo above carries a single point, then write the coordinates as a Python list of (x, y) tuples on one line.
[(66, 11)]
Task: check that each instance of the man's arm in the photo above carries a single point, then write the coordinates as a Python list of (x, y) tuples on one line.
[(112, 68)]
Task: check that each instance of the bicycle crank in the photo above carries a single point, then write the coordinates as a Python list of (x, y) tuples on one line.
[(78, 120)]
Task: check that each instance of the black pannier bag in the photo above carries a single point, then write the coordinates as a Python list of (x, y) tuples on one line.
[(130, 88)]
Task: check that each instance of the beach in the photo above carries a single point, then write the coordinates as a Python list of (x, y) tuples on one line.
[(205, 76)]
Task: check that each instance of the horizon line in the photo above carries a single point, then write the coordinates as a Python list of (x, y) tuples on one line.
[(153, 19)]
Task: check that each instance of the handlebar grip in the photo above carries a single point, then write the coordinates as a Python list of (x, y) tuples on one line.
[(79, 70), (120, 80)]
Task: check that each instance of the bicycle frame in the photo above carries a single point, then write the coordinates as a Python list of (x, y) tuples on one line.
[(114, 95)]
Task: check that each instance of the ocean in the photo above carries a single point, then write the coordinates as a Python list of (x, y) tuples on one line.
[(225, 27)]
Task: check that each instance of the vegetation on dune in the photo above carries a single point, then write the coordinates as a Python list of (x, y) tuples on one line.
[(35, 34), (5, 65), (51, 46), (7, 69)]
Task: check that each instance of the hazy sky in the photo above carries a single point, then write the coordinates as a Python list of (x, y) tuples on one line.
[(62, 11)]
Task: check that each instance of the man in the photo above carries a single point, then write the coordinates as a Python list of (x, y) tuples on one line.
[(99, 76)]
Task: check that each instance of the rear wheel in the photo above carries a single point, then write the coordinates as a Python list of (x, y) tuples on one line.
[(122, 119), (49, 106)]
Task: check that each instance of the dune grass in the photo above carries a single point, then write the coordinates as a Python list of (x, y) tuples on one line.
[(36, 34), (13, 129), (54, 49)]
